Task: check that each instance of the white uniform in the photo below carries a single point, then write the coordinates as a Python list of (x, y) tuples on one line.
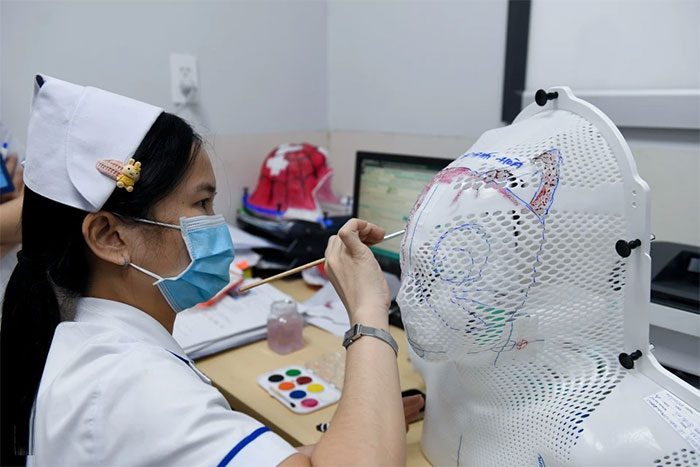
[(117, 389)]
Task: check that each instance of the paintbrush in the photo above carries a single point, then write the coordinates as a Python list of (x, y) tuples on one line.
[(282, 275)]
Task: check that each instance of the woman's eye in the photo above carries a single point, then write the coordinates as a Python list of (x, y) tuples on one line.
[(204, 204)]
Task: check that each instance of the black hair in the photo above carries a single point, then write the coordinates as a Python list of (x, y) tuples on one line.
[(54, 262)]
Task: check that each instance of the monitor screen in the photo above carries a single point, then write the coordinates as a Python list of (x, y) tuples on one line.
[(386, 188)]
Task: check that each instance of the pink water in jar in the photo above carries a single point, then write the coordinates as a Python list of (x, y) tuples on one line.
[(284, 327)]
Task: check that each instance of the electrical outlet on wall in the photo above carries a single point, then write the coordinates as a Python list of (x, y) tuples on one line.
[(183, 79)]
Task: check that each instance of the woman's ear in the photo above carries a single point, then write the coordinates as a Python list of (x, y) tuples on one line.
[(105, 235)]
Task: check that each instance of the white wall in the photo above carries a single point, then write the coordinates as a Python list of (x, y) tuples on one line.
[(672, 172), (262, 68), (262, 64), (614, 44), (416, 67)]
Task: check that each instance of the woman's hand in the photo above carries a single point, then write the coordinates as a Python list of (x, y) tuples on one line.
[(356, 275)]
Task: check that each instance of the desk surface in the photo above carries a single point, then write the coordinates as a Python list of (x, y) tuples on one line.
[(235, 373)]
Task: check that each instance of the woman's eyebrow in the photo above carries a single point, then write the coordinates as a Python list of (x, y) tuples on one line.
[(208, 187)]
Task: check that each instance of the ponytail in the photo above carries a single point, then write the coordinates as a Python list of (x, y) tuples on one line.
[(31, 312), (53, 263)]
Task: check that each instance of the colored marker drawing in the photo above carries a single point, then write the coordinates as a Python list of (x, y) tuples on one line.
[(461, 256)]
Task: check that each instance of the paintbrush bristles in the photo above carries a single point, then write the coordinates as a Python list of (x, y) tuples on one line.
[(291, 272), (394, 235)]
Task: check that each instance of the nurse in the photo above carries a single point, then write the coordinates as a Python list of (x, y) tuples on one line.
[(119, 235)]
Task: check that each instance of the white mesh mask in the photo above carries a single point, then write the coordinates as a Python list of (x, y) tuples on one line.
[(517, 304), (503, 232)]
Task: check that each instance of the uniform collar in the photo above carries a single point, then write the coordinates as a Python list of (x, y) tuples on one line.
[(126, 318)]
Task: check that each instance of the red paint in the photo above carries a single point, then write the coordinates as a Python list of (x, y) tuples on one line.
[(303, 380), (449, 174), (550, 178), (309, 403)]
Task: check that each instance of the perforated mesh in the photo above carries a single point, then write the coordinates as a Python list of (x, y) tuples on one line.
[(595, 163), (510, 271), (680, 458)]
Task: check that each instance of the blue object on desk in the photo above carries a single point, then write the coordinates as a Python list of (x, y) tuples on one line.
[(6, 185)]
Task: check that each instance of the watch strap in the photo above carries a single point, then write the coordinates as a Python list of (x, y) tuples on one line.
[(359, 330)]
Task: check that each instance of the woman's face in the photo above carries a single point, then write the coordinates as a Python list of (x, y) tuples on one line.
[(163, 250)]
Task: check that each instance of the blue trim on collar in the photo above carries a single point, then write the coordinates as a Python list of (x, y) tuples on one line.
[(241, 444), (187, 362), (192, 367)]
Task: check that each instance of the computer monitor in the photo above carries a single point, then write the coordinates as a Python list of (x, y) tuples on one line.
[(386, 188)]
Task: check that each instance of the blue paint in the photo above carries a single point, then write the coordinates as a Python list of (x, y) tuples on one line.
[(517, 163)]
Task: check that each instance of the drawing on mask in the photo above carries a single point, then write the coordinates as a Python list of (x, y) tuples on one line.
[(461, 258)]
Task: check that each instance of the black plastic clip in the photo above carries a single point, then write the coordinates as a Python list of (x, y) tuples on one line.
[(627, 360), (542, 96), (624, 248)]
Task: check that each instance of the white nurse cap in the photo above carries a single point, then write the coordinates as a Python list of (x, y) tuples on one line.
[(71, 129)]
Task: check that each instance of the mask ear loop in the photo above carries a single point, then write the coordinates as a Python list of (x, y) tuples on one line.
[(127, 262), (146, 271), (148, 221), (161, 224)]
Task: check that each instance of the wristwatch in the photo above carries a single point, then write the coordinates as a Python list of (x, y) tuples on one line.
[(360, 330)]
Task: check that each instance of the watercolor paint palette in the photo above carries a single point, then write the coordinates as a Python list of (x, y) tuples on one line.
[(299, 389)]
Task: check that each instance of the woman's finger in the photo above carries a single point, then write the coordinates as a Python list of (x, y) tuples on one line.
[(357, 233), (371, 234), (350, 235)]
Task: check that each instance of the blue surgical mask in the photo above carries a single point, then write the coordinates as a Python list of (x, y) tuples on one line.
[(210, 247)]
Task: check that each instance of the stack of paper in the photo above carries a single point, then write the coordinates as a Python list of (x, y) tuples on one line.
[(231, 322), (325, 310), (243, 244)]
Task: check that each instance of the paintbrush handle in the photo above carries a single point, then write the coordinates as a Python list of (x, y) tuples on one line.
[(291, 272), (282, 275)]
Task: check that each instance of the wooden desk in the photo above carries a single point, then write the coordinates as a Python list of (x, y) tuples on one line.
[(235, 373)]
